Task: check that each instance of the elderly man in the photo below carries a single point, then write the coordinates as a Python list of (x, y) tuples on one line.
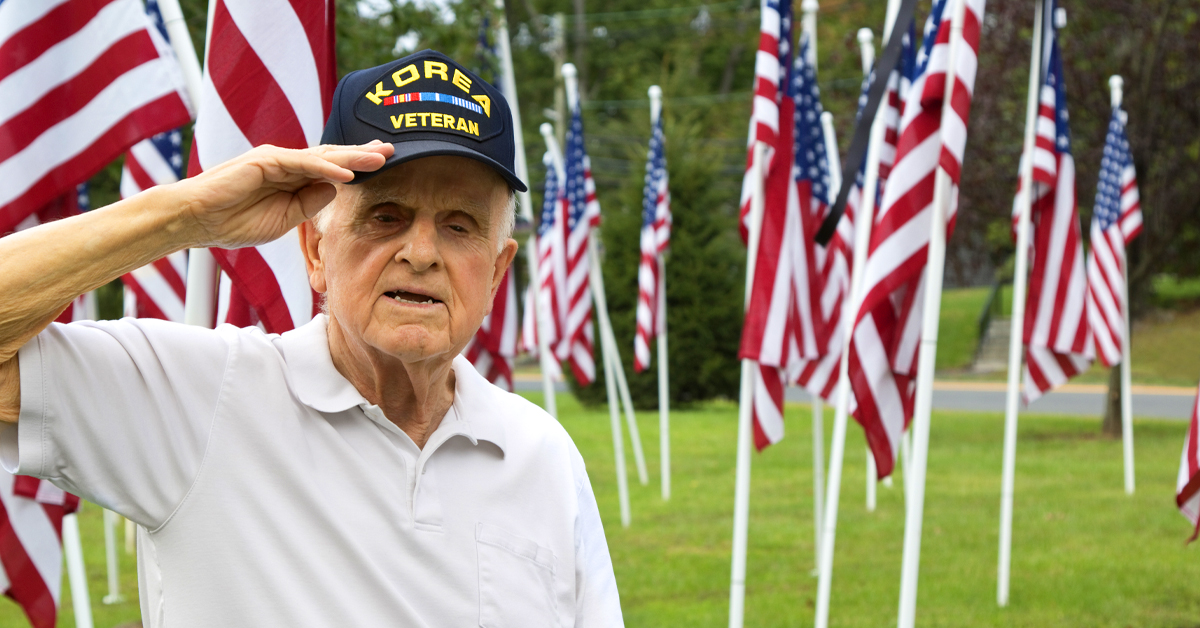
[(355, 471)]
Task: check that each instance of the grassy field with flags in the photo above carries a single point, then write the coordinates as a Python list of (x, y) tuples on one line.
[(1085, 554)]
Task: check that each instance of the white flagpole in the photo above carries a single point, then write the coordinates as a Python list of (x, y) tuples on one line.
[(809, 25), (111, 519), (556, 156), (509, 80), (863, 220), (1017, 324), (1116, 85), (741, 495), (607, 339), (818, 423), (635, 436), (866, 44), (181, 44), (943, 196), (130, 534), (664, 389), (76, 573), (200, 302)]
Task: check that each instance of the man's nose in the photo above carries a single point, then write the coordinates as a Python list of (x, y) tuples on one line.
[(420, 247)]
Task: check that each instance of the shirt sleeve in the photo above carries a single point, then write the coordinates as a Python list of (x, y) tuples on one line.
[(597, 603), (119, 412)]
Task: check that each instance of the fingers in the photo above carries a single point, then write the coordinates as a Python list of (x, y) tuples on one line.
[(363, 158), (330, 163)]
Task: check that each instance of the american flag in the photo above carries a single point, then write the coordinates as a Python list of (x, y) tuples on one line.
[(552, 268), (780, 330), (31, 515), (269, 78), (1116, 220), (770, 70), (883, 348), (770, 75), (494, 346), (1187, 486), (655, 238), (582, 213), (156, 290), (899, 82), (835, 260), (832, 262), (80, 82), (1058, 345)]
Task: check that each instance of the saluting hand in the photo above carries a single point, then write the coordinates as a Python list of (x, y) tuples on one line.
[(261, 195)]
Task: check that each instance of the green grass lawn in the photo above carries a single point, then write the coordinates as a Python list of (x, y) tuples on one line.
[(958, 327), (1084, 554)]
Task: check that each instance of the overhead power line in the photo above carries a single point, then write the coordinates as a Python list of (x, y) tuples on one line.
[(650, 14)]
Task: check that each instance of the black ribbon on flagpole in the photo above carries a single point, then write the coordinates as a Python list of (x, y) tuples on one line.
[(862, 129)]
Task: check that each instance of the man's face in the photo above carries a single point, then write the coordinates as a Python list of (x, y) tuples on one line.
[(410, 260)]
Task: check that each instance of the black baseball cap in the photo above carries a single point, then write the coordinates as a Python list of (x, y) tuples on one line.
[(425, 104)]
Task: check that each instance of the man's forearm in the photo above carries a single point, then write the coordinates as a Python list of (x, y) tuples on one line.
[(44, 268), (249, 200)]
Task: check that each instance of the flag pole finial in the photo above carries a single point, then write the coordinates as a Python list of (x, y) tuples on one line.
[(571, 82), (1116, 85), (655, 93), (866, 44), (556, 159)]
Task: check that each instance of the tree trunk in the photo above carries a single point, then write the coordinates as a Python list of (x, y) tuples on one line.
[(1112, 409)]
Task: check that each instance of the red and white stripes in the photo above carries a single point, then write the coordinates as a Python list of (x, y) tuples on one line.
[(576, 346), (654, 240), (158, 289), (1116, 220), (31, 514), (80, 82), (268, 79), (883, 348), (1056, 333), (780, 329), (764, 116), (494, 345), (1187, 486)]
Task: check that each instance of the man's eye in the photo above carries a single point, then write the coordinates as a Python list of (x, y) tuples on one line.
[(385, 218), (458, 228)]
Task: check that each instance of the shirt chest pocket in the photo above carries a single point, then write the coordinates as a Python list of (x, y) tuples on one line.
[(516, 580)]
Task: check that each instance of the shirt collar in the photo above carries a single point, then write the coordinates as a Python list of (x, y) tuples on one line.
[(316, 382)]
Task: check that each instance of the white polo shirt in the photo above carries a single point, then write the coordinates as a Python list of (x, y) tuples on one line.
[(273, 494)]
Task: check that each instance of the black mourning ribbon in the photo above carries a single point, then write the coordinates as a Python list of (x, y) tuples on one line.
[(862, 129)]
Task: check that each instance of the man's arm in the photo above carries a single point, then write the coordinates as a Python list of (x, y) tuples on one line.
[(250, 200)]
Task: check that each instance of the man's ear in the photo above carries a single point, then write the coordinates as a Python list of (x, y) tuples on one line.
[(503, 261), (310, 245)]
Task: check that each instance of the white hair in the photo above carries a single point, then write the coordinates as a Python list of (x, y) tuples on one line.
[(507, 223)]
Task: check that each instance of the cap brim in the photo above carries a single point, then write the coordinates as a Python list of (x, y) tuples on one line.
[(416, 149)]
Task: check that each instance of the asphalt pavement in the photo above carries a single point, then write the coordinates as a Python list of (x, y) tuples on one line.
[(1162, 402), (1080, 399)]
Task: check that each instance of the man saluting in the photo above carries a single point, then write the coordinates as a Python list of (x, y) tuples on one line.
[(354, 471)]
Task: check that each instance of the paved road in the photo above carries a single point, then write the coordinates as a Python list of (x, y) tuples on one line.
[(1148, 401), (1081, 399)]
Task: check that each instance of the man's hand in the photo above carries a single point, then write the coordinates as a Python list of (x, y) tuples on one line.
[(262, 194)]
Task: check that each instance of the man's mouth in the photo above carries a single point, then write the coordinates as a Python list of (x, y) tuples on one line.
[(414, 298)]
